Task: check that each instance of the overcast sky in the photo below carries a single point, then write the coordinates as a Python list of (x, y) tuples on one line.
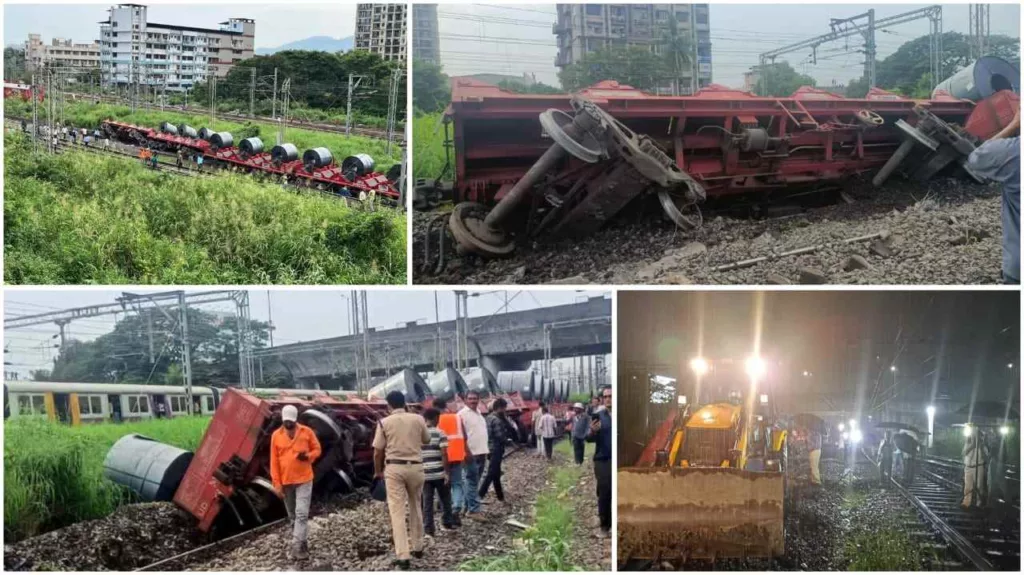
[(297, 315), (276, 24), (475, 38)]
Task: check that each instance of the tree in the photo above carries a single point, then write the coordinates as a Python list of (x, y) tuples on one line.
[(857, 88), (431, 88), (635, 66), (904, 69), (522, 88), (14, 65), (678, 50), (123, 354), (781, 80)]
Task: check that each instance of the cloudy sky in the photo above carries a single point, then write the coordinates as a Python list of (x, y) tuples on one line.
[(276, 24), (297, 315), (517, 39)]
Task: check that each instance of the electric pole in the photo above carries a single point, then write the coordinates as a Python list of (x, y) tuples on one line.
[(252, 92), (348, 107), (186, 368), (273, 109), (213, 98)]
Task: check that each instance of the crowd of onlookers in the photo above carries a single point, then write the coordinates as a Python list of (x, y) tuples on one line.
[(454, 457)]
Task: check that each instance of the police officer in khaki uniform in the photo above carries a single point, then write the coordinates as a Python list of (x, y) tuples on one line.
[(397, 458)]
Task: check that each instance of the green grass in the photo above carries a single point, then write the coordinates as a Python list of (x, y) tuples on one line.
[(884, 550), (91, 115), (80, 218), (546, 544), (53, 474), (428, 146)]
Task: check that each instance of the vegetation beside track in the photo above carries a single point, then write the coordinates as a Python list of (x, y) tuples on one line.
[(53, 473), (79, 218), (428, 147), (90, 115), (547, 543)]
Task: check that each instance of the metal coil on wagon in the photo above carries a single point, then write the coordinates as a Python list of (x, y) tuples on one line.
[(445, 384), (169, 128), (983, 78), (151, 469), (187, 131), (524, 382), (357, 166), (407, 381), (317, 158), (480, 380), (284, 153), (222, 140), (205, 134), (251, 146)]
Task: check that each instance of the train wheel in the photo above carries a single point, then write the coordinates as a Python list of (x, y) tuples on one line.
[(474, 235)]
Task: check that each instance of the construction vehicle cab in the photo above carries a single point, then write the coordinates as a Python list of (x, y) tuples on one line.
[(711, 481)]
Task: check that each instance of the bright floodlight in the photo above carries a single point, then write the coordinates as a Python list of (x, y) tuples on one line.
[(967, 431), (1004, 430), (892, 368), (755, 366), (1009, 366), (842, 426), (764, 398), (699, 365), (856, 436), (682, 400), (853, 424), (806, 373), (930, 410)]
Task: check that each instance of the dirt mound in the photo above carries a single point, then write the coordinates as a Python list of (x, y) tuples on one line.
[(131, 537)]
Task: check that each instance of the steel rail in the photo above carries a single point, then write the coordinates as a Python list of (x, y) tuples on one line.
[(963, 547)]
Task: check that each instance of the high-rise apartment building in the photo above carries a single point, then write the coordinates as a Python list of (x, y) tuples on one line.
[(585, 28), (60, 52), (426, 44), (381, 29), (133, 49)]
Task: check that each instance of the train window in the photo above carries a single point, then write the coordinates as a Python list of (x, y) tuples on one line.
[(208, 403), (31, 404), (178, 404), (90, 404), (138, 404)]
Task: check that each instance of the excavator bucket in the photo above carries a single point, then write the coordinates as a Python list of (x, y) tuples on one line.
[(701, 513)]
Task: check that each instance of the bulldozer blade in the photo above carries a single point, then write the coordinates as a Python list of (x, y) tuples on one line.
[(705, 513)]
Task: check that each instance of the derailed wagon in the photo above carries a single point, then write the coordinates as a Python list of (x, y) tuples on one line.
[(527, 166)]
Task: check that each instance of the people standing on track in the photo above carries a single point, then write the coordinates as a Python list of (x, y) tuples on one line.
[(536, 428), (179, 158), (451, 426), (153, 158), (885, 456), (398, 459), (499, 430), (199, 162), (548, 431), (998, 159), (814, 456), (435, 474), (143, 155), (475, 428), (293, 449), (975, 458), (580, 429), (601, 435)]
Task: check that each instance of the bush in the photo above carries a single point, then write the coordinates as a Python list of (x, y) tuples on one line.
[(53, 474), (428, 157), (80, 218)]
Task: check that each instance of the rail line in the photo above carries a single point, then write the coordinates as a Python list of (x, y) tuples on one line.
[(379, 134), (984, 540)]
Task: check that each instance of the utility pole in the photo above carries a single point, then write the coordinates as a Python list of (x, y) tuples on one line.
[(273, 109), (286, 90), (149, 333), (870, 49), (252, 92), (438, 361), (366, 340), (213, 98), (396, 80), (348, 106), (186, 370), (35, 115), (270, 321)]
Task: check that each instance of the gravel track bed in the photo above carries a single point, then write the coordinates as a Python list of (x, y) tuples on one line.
[(946, 231)]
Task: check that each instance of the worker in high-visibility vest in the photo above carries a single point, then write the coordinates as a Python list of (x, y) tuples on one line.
[(293, 449), (451, 426)]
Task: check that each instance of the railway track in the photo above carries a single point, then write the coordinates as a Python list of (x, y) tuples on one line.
[(398, 136), (985, 540)]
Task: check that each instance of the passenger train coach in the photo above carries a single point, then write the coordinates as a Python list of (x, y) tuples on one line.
[(77, 403)]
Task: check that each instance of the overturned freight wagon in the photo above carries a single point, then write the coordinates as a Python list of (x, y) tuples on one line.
[(527, 165)]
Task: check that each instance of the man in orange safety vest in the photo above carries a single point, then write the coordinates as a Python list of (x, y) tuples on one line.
[(451, 426), (293, 449)]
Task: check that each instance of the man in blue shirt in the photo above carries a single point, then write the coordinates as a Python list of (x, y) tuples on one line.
[(998, 160), (601, 435)]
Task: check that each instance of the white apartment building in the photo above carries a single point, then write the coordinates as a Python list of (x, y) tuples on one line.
[(381, 29), (170, 56), (60, 52)]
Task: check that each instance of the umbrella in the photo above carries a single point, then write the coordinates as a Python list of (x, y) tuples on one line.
[(810, 422), (906, 443), (898, 425)]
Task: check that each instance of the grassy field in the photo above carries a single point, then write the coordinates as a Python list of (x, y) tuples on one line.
[(90, 115), (53, 474), (546, 544), (79, 218), (428, 146)]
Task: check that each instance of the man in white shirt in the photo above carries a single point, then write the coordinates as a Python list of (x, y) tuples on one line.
[(475, 428), (548, 431)]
